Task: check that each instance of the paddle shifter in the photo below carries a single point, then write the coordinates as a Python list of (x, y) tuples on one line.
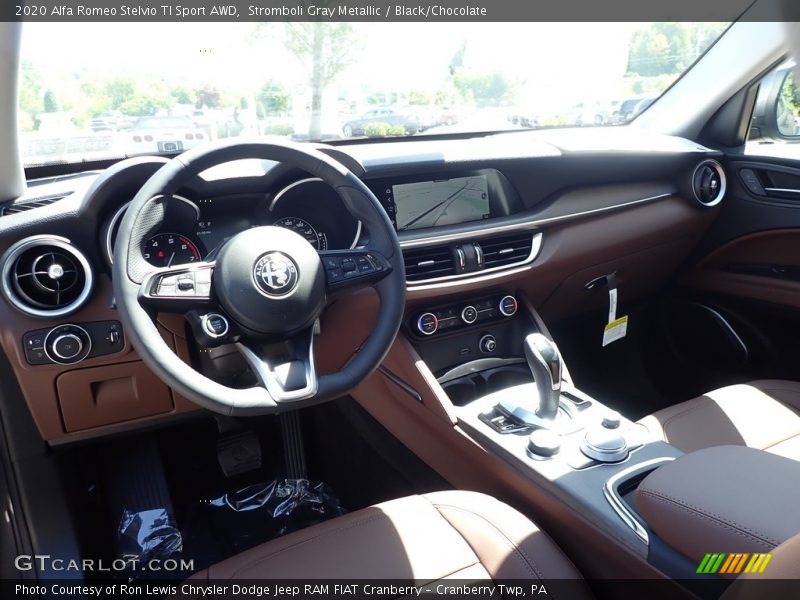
[(544, 361)]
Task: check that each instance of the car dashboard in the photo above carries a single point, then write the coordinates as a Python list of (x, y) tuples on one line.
[(534, 213)]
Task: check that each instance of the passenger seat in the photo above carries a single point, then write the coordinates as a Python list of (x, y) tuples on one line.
[(762, 414)]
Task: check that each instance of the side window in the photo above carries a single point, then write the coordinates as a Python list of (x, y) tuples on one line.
[(788, 108)]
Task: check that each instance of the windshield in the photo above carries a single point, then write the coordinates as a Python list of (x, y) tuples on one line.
[(90, 91)]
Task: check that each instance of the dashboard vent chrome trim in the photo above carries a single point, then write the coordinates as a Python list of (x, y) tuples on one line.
[(709, 183), (524, 250), (25, 205), (46, 276), (433, 262), (507, 250)]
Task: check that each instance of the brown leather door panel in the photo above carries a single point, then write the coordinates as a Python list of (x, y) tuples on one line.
[(762, 266)]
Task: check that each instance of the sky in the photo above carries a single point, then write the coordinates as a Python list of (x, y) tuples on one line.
[(388, 55)]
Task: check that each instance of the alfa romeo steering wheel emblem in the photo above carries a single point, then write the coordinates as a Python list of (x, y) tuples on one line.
[(275, 274)]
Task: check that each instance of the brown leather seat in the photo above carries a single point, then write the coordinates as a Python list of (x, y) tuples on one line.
[(454, 535), (761, 414)]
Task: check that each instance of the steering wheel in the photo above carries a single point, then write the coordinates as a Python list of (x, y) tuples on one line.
[(263, 292)]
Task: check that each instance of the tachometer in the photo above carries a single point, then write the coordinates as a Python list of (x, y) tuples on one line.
[(304, 228), (169, 249)]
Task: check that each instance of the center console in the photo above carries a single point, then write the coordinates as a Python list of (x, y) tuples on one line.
[(513, 395)]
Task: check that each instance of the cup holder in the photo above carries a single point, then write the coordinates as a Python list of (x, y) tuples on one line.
[(506, 377), (465, 389), (461, 391)]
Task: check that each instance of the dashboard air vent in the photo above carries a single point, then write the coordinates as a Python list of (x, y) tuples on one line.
[(708, 183), (502, 251), (23, 205), (429, 263), (46, 276)]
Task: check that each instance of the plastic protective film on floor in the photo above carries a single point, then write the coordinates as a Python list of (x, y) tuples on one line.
[(221, 527), (241, 519)]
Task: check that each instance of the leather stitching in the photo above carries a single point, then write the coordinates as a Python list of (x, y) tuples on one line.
[(732, 526), (526, 560)]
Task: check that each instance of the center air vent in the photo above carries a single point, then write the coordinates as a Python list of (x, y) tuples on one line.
[(506, 250), (464, 259), (428, 263), (708, 183), (46, 276)]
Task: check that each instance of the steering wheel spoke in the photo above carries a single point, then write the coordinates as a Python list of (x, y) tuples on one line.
[(348, 269), (179, 289), (287, 376)]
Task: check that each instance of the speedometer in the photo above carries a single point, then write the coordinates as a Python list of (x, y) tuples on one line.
[(305, 229), (169, 249)]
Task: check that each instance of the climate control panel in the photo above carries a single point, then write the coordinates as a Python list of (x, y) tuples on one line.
[(71, 343), (454, 316)]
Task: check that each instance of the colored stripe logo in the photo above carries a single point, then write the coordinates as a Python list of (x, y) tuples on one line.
[(733, 563)]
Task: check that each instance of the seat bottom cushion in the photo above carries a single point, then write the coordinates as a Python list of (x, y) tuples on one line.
[(453, 535), (762, 414)]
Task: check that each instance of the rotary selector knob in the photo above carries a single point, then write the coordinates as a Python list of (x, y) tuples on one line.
[(508, 306), (612, 420), (544, 443), (605, 445), (67, 344), (487, 344), (469, 315), (427, 324)]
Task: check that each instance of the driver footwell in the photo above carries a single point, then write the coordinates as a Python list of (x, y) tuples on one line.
[(205, 490)]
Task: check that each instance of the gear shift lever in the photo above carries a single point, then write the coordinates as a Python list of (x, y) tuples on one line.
[(544, 361)]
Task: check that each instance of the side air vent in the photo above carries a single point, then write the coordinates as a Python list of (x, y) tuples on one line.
[(429, 263), (708, 183), (46, 276), (23, 205), (506, 250)]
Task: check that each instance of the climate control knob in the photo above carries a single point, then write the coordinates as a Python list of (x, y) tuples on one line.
[(427, 324), (67, 344), (508, 306), (469, 315)]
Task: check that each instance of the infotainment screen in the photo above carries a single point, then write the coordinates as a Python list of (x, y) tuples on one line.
[(441, 202)]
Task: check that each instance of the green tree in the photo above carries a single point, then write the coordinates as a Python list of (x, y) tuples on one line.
[(486, 89), (30, 94), (419, 98), (273, 99), (50, 102), (670, 48), (183, 95), (326, 50)]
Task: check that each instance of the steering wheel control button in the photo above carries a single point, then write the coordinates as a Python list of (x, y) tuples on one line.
[(508, 306), (427, 324), (543, 443), (185, 283), (351, 266), (469, 314), (487, 344), (604, 445), (67, 344), (275, 274), (215, 325), (612, 420)]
